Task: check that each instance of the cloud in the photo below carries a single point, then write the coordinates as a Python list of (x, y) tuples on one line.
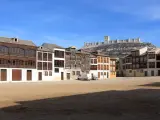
[(146, 9)]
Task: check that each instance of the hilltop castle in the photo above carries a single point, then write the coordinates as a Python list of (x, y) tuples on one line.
[(108, 41)]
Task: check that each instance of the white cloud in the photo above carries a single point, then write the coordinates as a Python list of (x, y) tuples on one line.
[(146, 9)]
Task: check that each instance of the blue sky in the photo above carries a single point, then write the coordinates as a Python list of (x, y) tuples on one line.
[(73, 22)]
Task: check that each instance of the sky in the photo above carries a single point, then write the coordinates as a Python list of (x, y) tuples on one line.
[(73, 22)]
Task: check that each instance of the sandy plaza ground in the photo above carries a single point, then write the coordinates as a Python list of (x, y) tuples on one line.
[(112, 99)]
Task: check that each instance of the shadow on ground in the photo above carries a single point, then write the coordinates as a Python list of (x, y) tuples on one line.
[(140, 104), (155, 84)]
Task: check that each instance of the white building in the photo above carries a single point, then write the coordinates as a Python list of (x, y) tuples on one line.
[(58, 61)]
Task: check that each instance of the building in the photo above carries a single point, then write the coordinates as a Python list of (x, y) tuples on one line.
[(45, 64), (113, 72), (17, 60), (141, 62), (58, 61), (99, 66), (76, 63)]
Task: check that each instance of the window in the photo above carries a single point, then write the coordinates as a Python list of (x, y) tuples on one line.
[(39, 56), (73, 72), (130, 71), (101, 73), (105, 60), (78, 73), (44, 56), (134, 60), (39, 65), (50, 73), (141, 59), (105, 67), (124, 67), (158, 64), (49, 66), (30, 53), (93, 67), (44, 65), (137, 59), (152, 56), (99, 67), (92, 61), (4, 49), (133, 53), (99, 59), (95, 61), (59, 63), (152, 65), (105, 73), (21, 51), (158, 57), (59, 54), (46, 73), (56, 70), (49, 56), (137, 66)]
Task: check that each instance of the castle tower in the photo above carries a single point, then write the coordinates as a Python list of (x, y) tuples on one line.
[(106, 39)]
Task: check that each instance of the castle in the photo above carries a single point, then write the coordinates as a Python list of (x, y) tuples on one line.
[(108, 41)]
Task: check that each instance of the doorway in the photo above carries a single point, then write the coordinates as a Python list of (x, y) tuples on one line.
[(158, 72), (62, 78), (39, 75), (146, 74), (134, 73), (29, 75), (152, 73), (3, 75), (68, 76)]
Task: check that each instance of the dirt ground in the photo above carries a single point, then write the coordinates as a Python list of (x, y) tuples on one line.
[(112, 99)]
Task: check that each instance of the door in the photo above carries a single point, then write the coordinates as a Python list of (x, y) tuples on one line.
[(146, 74), (158, 72), (152, 73), (29, 75), (107, 75), (68, 76), (99, 74), (16, 75), (3, 75), (62, 76), (134, 73), (39, 75)]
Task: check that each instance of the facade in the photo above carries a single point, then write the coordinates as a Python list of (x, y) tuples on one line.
[(100, 66), (23, 61), (44, 64), (17, 60), (76, 63), (108, 41), (113, 72), (142, 62), (58, 60)]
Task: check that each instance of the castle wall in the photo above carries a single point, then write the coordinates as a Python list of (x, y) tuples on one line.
[(108, 41)]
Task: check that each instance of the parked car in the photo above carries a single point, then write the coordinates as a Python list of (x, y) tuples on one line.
[(83, 77)]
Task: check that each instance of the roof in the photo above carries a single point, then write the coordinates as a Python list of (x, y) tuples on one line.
[(41, 48), (51, 46), (20, 42), (155, 50)]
